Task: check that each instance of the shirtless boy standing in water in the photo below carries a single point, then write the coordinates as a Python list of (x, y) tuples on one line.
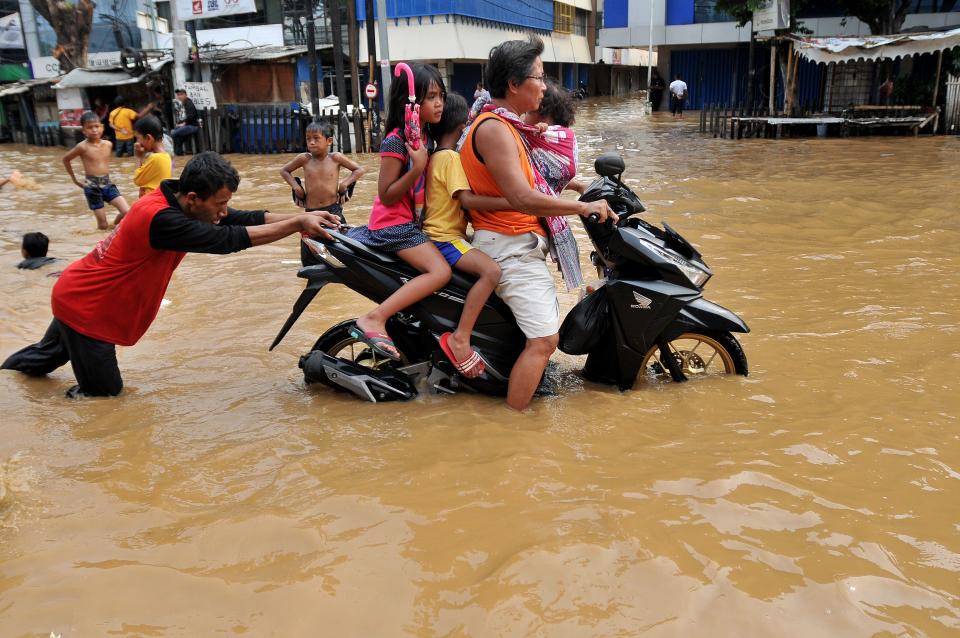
[(94, 153), (321, 188)]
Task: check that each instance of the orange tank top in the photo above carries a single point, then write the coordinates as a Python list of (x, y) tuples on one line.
[(506, 222)]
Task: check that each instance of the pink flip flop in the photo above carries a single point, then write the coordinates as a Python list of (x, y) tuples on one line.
[(468, 365)]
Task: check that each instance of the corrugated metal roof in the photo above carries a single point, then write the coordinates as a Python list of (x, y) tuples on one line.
[(253, 54), (23, 86)]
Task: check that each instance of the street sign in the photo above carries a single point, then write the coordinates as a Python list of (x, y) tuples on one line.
[(371, 91)]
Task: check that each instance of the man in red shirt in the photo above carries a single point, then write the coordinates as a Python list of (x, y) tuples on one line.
[(111, 296)]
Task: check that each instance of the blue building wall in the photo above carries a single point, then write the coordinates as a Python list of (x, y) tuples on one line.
[(615, 14), (302, 74), (680, 12), (719, 76), (533, 14)]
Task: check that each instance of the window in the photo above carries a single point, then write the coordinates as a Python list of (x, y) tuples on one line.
[(580, 22), (563, 17)]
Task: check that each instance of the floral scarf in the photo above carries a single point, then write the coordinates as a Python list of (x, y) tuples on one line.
[(563, 245)]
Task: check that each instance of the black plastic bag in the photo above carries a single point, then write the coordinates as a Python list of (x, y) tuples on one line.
[(586, 323)]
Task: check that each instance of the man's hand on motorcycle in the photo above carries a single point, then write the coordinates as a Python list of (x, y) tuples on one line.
[(602, 210), (326, 218), (311, 224)]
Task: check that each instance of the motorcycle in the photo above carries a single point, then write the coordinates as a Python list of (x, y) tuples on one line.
[(647, 320)]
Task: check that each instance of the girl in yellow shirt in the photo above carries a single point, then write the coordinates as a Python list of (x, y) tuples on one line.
[(154, 164)]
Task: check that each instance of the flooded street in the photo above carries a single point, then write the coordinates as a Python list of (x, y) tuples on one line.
[(220, 495)]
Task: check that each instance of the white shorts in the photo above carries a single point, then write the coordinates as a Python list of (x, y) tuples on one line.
[(525, 285)]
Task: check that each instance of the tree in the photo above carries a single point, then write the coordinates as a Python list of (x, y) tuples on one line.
[(72, 21)]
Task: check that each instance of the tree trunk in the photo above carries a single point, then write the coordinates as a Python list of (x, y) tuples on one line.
[(71, 21)]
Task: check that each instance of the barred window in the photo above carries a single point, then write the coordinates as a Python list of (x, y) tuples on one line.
[(563, 17)]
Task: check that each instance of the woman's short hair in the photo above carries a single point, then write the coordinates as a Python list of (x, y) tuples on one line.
[(511, 61), (558, 105)]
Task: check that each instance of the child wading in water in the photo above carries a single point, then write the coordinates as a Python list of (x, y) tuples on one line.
[(448, 192), (94, 153), (394, 221), (154, 164), (321, 188)]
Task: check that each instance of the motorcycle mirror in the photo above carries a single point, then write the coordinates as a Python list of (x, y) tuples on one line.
[(609, 164)]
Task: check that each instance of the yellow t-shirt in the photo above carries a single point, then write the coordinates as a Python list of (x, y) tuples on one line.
[(445, 220), (121, 119), (154, 170)]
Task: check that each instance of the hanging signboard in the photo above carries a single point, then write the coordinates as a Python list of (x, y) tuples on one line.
[(772, 15), (197, 9), (71, 106), (201, 94)]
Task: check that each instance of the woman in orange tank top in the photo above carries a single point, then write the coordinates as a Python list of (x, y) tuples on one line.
[(496, 164)]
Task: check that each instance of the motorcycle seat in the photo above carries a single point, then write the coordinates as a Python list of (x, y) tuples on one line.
[(459, 279)]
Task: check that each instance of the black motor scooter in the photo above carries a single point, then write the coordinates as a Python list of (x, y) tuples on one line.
[(647, 320)]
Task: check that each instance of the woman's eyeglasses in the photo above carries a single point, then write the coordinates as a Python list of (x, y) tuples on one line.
[(539, 78)]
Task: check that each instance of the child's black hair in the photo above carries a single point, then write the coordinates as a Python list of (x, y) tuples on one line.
[(35, 244), (455, 112), (89, 116), (423, 75), (119, 101), (149, 125), (558, 105), (322, 126)]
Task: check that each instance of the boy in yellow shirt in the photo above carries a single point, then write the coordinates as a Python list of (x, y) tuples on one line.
[(448, 193), (121, 119), (153, 163)]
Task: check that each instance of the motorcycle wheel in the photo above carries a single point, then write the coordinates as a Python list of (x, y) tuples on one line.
[(696, 355), (337, 342)]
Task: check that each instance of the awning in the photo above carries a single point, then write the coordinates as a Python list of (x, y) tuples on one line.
[(876, 47), (254, 54), (22, 87), (82, 78)]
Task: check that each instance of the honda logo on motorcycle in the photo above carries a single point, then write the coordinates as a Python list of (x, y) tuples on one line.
[(643, 303)]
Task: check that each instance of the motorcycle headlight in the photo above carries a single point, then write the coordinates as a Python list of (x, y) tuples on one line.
[(696, 276)]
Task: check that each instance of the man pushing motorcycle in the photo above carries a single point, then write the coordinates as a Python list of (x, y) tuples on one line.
[(516, 239), (111, 296)]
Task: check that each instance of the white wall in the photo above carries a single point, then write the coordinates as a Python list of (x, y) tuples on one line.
[(460, 40), (636, 34)]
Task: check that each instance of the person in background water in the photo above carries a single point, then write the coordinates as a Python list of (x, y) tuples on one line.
[(122, 118), (397, 212), (153, 163), (678, 95), (321, 188), (657, 85), (481, 92), (34, 251), (111, 296), (187, 122), (94, 154)]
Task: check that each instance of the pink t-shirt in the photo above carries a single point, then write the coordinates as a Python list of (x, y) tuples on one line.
[(403, 211)]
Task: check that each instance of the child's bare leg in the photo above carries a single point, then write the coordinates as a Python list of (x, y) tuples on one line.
[(436, 273), (121, 205), (476, 263), (101, 216)]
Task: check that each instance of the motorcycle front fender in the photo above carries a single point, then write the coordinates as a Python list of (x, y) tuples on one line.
[(317, 277), (701, 315)]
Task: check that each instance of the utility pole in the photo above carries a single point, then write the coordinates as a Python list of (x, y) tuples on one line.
[(354, 73), (372, 110), (180, 47), (312, 58), (192, 27), (750, 70), (343, 124), (384, 49), (650, 51)]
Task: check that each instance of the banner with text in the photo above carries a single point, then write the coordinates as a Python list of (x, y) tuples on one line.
[(197, 9), (774, 14)]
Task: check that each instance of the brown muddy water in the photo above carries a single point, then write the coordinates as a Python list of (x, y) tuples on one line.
[(218, 495)]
